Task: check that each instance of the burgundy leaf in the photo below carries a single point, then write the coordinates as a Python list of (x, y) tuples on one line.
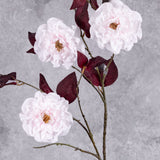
[(31, 51), (103, 1), (43, 85), (9, 77), (31, 37), (94, 62), (92, 74), (78, 3), (11, 83), (94, 4), (82, 60), (67, 88), (82, 19), (112, 74)]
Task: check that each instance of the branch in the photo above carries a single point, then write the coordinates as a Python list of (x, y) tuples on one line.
[(105, 109), (20, 82), (87, 48), (84, 118), (68, 145), (79, 122), (89, 82)]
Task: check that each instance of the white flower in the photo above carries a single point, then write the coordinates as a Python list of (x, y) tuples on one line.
[(115, 26), (57, 43), (46, 116)]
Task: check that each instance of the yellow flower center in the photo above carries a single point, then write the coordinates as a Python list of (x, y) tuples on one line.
[(58, 46), (113, 26), (46, 118)]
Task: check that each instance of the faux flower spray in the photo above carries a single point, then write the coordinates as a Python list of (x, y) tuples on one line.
[(115, 27)]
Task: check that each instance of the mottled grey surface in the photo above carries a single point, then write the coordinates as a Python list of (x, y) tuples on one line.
[(133, 101)]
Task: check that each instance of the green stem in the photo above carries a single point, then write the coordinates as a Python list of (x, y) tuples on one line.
[(68, 145), (20, 82)]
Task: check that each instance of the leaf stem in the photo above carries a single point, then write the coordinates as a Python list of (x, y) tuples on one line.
[(20, 82), (84, 118), (89, 82), (68, 145), (105, 109), (87, 48), (79, 122)]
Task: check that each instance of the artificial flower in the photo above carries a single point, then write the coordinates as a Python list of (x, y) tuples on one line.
[(115, 26), (45, 117), (56, 43)]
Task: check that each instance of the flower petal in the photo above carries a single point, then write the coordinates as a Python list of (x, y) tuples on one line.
[(45, 117), (57, 43), (115, 26)]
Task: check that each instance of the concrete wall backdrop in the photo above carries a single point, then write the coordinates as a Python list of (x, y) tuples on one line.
[(133, 101)]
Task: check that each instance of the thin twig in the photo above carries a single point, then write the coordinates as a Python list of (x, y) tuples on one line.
[(89, 82), (87, 48), (79, 122), (84, 118), (68, 145), (20, 82), (105, 109)]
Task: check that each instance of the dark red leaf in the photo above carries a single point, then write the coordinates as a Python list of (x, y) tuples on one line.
[(11, 83), (82, 60), (9, 77), (112, 74), (94, 62), (67, 88), (92, 74), (82, 19), (78, 3), (31, 37), (94, 4), (31, 51), (103, 1), (43, 85)]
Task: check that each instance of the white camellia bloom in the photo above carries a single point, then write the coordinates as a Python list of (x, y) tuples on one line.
[(57, 43), (115, 26), (46, 116)]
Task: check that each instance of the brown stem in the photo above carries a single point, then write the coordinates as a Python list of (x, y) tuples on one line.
[(79, 122), (87, 48), (89, 82), (84, 118), (105, 110), (20, 82), (68, 145)]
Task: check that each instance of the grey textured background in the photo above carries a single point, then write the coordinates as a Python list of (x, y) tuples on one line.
[(133, 101)]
